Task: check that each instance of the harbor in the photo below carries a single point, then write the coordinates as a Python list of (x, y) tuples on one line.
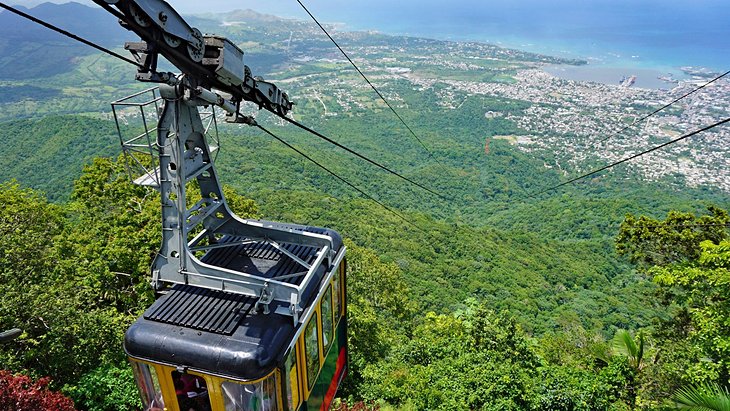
[(639, 77)]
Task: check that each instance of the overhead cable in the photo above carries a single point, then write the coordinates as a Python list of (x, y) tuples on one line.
[(70, 35), (368, 81), (354, 187), (635, 122), (355, 153), (96, 46), (636, 155)]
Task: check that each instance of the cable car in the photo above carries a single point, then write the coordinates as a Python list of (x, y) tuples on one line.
[(251, 314), (204, 350)]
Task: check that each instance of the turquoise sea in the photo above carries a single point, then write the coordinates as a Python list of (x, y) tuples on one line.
[(618, 38)]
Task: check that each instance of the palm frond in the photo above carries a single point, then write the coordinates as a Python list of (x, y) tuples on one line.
[(624, 344), (706, 397)]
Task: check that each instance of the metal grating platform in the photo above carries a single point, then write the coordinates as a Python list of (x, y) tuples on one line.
[(201, 309), (263, 259)]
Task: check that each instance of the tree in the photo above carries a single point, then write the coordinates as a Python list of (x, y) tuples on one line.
[(379, 310), (106, 388), (21, 393), (476, 359), (75, 277), (28, 224), (113, 235), (87, 279), (115, 232), (675, 239), (701, 289), (688, 257), (633, 350), (707, 397)]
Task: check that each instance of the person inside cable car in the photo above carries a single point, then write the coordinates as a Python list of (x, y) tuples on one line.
[(191, 391)]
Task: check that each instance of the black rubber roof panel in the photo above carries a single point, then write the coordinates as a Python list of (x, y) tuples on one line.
[(201, 309)]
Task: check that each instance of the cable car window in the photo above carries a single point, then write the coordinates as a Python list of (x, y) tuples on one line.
[(290, 380), (191, 391), (257, 396), (149, 387), (327, 320), (311, 350), (337, 294)]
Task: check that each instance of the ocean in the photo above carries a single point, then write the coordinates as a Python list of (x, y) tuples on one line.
[(646, 38)]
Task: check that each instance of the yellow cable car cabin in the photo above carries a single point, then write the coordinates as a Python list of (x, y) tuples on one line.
[(204, 350)]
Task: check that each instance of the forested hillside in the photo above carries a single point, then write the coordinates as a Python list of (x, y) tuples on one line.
[(40, 151), (605, 294), (525, 341), (31, 51)]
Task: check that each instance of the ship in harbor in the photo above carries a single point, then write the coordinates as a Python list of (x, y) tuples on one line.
[(669, 78), (627, 81)]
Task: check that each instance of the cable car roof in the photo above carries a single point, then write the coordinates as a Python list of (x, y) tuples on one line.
[(210, 331)]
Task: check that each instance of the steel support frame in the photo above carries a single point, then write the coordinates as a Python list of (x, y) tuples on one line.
[(184, 155)]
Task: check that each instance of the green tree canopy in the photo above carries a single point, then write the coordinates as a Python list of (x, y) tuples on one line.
[(688, 257)]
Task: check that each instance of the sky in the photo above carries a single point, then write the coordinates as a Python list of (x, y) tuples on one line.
[(399, 8), (677, 32), (351, 11), (359, 14)]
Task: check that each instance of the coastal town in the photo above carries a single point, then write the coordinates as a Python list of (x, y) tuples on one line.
[(576, 125), (585, 123)]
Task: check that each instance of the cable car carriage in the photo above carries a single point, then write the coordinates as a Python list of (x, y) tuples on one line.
[(203, 349), (251, 313)]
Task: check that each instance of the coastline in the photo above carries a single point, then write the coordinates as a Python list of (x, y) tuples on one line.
[(648, 78), (612, 67), (646, 55), (605, 64)]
